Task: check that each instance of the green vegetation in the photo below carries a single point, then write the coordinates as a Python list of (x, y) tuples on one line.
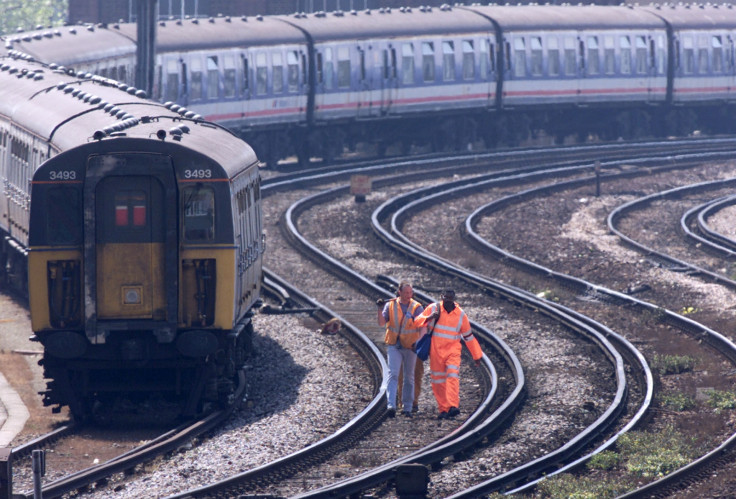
[(570, 487), (677, 401), (721, 400), (673, 364), (27, 14), (639, 455)]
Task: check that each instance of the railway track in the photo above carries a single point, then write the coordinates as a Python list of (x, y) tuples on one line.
[(331, 179)]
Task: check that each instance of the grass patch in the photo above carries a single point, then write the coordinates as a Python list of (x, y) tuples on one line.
[(721, 400), (653, 455), (673, 364), (677, 402), (567, 486)]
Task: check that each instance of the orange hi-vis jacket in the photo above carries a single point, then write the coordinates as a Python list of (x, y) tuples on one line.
[(401, 326), (448, 331)]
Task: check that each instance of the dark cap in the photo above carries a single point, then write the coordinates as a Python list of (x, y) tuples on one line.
[(448, 294)]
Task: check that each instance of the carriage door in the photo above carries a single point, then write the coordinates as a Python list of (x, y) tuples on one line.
[(130, 270)]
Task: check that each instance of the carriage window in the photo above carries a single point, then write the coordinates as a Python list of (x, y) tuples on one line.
[(213, 77), (688, 55), (641, 55), (468, 60), (593, 56), (228, 81), (486, 59), (198, 213), (570, 58), (702, 54), (130, 209), (278, 72), (172, 81), (195, 92), (536, 46), (343, 67), (261, 74), (717, 54), (448, 61), (428, 71), (407, 63), (609, 55), (519, 57), (329, 69), (63, 227), (553, 56), (292, 60), (625, 49)]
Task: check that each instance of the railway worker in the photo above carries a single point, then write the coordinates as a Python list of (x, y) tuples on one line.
[(418, 375), (398, 316), (450, 324)]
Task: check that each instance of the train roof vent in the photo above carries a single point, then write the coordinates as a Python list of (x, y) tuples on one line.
[(190, 114), (38, 76), (259, 17), (175, 108), (162, 24), (178, 22), (175, 133), (211, 20), (338, 13), (90, 28), (73, 31), (228, 20), (168, 104), (244, 19), (141, 93), (131, 90), (195, 21), (68, 90), (445, 7), (353, 12)]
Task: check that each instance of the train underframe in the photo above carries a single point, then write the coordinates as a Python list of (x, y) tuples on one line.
[(132, 373), (487, 130)]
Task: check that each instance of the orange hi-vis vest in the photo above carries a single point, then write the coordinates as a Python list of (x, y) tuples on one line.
[(448, 331), (400, 325)]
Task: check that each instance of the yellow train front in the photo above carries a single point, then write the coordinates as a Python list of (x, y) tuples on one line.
[(144, 263)]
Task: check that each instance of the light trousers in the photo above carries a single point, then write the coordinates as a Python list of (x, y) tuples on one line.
[(399, 357)]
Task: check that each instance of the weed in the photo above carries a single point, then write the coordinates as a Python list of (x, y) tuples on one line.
[(653, 455), (673, 364), (606, 460), (721, 400), (677, 401), (566, 486)]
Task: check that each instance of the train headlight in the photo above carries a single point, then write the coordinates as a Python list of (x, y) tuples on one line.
[(132, 295)]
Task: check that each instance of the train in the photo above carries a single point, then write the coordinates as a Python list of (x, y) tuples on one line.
[(446, 78), (136, 233)]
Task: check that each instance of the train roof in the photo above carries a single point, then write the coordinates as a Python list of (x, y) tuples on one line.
[(73, 44), (71, 110), (389, 23), (696, 16), (567, 17)]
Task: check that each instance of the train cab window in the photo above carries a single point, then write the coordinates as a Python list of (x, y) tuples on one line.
[(172, 82), (641, 55), (448, 61), (228, 81), (537, 67), (519, 57), (594, 64), (195, 86), (277, 70), (343, 67), (261, 74), (122, 74), (717, 54), (428, 71), (198, 213), (292, 62), (64, 226), (407, 64), (468, 60), (570, 57), (609, 55), (213, 77), (553, 56), (625, 51)]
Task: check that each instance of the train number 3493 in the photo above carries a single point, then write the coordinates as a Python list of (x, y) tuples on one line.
[(62, 175), (202, 173)]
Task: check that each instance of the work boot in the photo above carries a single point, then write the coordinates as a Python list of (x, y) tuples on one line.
[(443, 415), (454, 411), (391, 412)]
